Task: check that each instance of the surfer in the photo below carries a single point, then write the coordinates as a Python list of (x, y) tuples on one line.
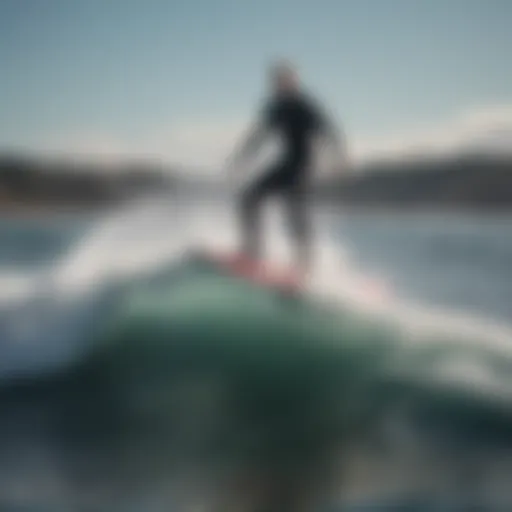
[(297, 119)]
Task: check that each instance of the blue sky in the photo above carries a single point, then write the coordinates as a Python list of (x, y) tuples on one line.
[(123, 75)]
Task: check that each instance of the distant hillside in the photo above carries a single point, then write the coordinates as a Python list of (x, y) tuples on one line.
[(31, 183), (470, 181)]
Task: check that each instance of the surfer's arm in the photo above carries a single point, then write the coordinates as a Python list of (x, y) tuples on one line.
[(333, 133), (254, 138), (338, 137), (251, 143)]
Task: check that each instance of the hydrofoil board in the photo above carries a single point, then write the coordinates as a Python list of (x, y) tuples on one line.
[(260, 272)]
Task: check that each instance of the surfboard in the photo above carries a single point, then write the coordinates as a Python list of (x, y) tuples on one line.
[(259, 272)]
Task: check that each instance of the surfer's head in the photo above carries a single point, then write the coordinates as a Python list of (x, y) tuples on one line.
[(284, 77)]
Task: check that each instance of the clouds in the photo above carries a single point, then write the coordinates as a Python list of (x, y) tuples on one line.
[(205, 143), (486, 128)]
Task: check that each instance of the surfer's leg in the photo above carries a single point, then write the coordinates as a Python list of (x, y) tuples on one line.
[(250, 213), (299, 222)]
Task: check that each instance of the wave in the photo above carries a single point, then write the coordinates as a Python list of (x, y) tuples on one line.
[(148, 359)]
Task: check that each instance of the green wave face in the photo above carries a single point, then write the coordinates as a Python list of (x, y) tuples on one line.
[(201, 371), (260, 374)]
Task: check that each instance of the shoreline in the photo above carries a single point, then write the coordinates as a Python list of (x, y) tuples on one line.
[(20, 209), (419, 210)]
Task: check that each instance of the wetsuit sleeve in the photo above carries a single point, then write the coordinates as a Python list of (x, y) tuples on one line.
[(257, 133), (267, 116), (325, 125)]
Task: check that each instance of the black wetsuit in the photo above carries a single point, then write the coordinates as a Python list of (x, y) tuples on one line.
[(296, 119)]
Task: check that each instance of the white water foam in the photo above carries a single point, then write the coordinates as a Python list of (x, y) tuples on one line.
[(474, 342), (15, 286)]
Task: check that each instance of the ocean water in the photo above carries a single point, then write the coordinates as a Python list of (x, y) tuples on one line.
[(460, 261), (133, 377)]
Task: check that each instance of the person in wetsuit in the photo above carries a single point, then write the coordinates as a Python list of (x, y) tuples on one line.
[(295, 117)]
